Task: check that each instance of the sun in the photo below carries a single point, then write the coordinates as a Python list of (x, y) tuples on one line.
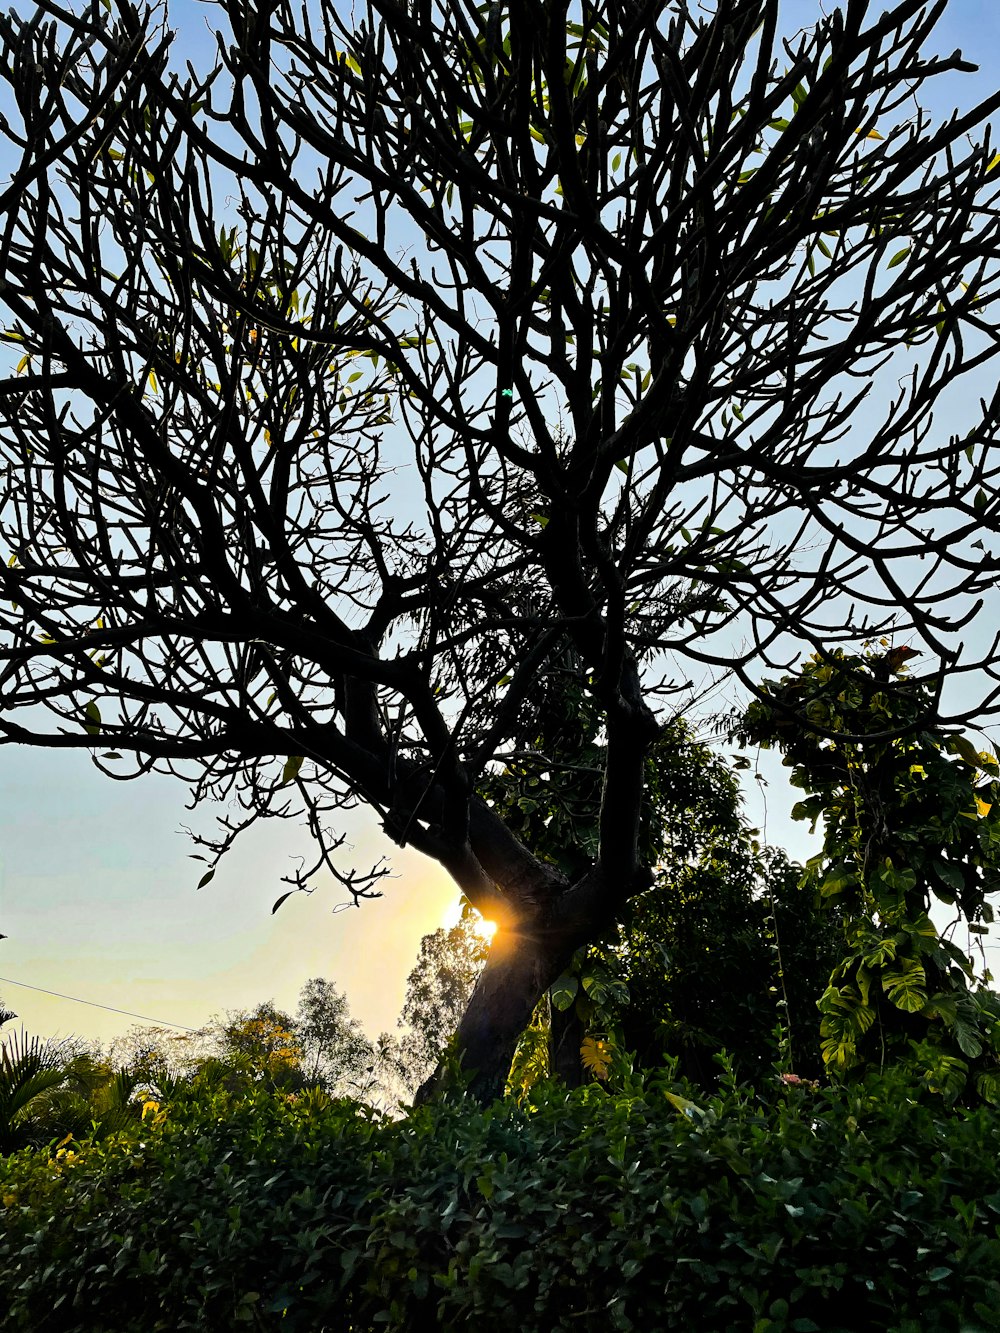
[(454, 913)]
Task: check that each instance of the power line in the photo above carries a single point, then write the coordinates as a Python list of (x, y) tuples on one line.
[(160, 1022)]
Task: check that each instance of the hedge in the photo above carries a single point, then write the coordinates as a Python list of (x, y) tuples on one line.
[(806, 1209)]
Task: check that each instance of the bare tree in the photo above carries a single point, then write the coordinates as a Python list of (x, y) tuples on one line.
[(368, 380)]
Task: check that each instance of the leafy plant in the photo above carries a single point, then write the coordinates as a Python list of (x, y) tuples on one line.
[(836, 1209), (29, 1068), (911, 815)]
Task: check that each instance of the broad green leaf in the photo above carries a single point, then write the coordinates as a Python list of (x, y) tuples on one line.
[(563, 991), (906, 985), (898, 257), (93, 724), (949, 874), (968, 1038), (291, 769)]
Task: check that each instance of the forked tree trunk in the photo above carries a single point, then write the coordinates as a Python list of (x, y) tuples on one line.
[(520, 969)]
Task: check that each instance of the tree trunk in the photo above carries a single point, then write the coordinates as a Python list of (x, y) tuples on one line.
[(521, 967), (564, 1046)]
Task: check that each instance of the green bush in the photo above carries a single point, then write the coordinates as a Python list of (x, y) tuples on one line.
[(859, 1209)]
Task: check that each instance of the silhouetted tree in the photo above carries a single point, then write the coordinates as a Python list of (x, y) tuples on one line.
[(364, 381)]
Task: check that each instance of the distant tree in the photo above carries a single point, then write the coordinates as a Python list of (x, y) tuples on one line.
[(695, 964), (335, 1053), (396, 363), (261, 1044), (151, 1051), (438, 989)]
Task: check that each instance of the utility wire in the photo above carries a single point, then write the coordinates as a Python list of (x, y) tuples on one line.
[(160, 1022)]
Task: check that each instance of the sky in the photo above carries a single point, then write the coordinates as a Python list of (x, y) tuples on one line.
[(98, 896)]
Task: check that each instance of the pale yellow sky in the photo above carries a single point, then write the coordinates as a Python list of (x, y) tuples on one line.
[(98, 900)]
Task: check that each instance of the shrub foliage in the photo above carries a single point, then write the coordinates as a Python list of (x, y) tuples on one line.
[(805, 1208)]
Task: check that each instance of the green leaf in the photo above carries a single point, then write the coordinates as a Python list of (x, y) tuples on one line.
[(93, 713), (899, 257), (563, 991), (949, 874), (906, 985), (291, 769), (980, 501), (207, 878), (968, 1038), (597, 988)]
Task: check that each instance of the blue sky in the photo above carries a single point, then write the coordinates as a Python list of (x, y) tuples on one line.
[(97, 891)]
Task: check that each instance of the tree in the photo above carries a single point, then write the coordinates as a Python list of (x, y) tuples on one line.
[(724, 946), (438, 990), (361, 382), (336, 1054), (262, 1044), (911, 817)]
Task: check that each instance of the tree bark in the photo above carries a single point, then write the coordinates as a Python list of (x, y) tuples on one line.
[(564, 1046), (522, 965)]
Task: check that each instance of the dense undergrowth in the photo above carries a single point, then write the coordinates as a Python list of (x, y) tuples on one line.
[(854, 1209)]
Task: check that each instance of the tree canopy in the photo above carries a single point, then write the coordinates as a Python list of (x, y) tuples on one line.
[(392, 367)]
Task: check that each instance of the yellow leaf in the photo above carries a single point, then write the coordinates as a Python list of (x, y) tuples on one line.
[(22, 364), (596, 1056), (872, 134), (995, 159), (984, 807), (682, 1104)]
